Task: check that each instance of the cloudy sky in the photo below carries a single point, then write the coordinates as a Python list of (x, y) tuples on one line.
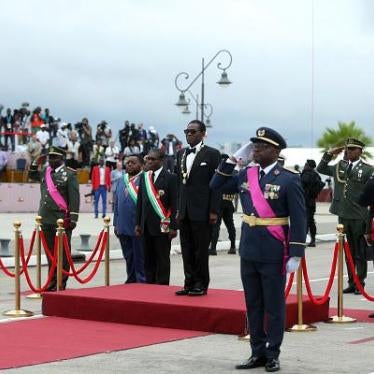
[(298, 65)]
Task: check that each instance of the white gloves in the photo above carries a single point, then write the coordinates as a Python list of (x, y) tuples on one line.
[(293, 264), (244, 153)]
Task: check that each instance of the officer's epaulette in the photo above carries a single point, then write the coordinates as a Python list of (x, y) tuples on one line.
[(366, 163), (291, 170), (71, 169)]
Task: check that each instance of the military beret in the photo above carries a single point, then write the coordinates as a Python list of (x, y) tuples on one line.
[(268, 135), (354, 143), (57, 151)]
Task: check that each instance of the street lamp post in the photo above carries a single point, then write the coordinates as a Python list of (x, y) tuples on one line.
[(224, 81), (204, 108)]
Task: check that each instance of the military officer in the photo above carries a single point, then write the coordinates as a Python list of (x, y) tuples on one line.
[(272, 240), (59, 190)]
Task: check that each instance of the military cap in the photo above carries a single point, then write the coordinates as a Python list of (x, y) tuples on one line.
[(57, 151), (311, 163), (354, 143), (268, 135)]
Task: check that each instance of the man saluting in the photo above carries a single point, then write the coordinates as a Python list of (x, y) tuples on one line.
[(272, 240)]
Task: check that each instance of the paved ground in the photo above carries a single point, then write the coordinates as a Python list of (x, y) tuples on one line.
[(328, 350)]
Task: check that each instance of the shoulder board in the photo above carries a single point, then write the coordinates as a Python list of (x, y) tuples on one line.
[(291, 170), (71, 169)]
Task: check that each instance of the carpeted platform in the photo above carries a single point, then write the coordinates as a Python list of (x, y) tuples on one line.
[(221, 311), (37, 341)]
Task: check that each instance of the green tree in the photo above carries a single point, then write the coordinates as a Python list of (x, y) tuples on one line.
[(332, 138)]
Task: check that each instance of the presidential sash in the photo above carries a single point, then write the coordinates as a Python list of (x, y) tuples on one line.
[(131, 187), (157, 205), (264, 209)]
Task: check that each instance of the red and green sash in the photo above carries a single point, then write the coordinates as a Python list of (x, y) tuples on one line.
[(131, 187), (156, 202)]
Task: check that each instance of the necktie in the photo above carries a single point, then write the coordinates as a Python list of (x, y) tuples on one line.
[(153, 176), (349, 169), (190, 150), (262, 173)]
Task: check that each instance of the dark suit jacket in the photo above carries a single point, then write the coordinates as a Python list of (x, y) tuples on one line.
[(195, 197), (167, 182)]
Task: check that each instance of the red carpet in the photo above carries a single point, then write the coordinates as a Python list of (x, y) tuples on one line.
[(221, 311), (361, 315), (37, 341)]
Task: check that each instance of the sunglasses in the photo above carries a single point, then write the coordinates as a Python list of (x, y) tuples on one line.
[(191, 131)]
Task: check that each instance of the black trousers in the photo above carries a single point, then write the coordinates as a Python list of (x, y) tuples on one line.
[(263, 285), (50, 234), (195, 237), (311, 223), (156, 258), (355, 230), (227, 215)]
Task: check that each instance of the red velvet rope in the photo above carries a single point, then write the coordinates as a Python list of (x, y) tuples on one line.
[(70, 260), (93, 254), (8, 272), (46, 249), (27, 275), (289, 285), (326, 294), (351, 265)]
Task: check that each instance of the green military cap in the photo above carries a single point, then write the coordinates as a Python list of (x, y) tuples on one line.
[(57, 151), (354, 143)]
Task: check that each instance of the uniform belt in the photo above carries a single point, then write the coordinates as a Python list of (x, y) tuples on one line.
[(257, 221)]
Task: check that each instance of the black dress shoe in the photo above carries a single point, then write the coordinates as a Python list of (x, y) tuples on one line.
[(212, 252), (197, 292), (251, 363), (357, 292), (182, 292), (349, 289), (232, 251), (272, 365)]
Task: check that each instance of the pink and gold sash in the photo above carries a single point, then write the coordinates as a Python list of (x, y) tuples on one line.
[(53, 191), (264, 210)]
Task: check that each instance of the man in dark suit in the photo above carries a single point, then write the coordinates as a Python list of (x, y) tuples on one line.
[(272, 240), (156, 217), (198, 207)]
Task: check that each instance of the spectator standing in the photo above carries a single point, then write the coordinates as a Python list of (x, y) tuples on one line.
[(98, 152), (34, 148), (62, 137), (72, 155), (124, 219), (8, 126), (156, 217), (101, 184), (198, 207), (312, 186), (36, 120), (116, 175), (85, 135), (111, 155), (170, 145), (123, 135), (42, 137)]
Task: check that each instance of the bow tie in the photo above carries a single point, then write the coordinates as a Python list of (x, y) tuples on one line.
[(190, 150)]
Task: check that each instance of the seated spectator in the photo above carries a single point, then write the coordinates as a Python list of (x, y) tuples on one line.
[(111, 155), (42, 137), (132, 149)]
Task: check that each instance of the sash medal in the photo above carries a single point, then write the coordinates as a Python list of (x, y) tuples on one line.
[(131, 187), (156, 202)]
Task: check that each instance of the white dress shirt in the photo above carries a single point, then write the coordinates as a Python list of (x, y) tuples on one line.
[(191, 157)]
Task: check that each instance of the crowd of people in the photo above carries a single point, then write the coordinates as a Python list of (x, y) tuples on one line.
[(38, 130)]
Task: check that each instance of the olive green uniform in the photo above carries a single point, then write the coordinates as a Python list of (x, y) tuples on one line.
[(348, 188), (66, 181)]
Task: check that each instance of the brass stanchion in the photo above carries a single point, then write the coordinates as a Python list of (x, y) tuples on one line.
[(340, 318), (300, 326), (60, 233), (38, 225), (107, 257), (17, 312)]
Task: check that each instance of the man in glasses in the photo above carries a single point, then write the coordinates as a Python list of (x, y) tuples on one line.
[(272, 240), (156, 217), (197, 209)]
